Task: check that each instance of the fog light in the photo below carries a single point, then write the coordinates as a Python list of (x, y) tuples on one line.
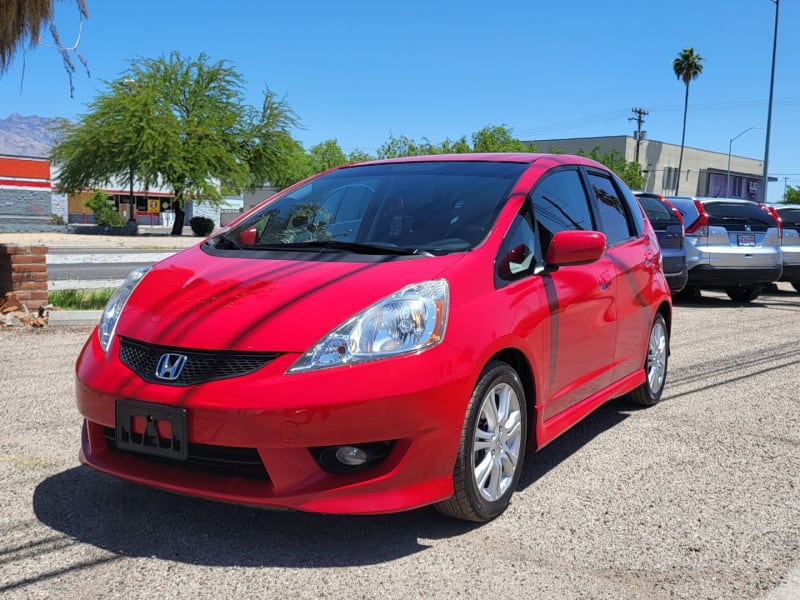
[(348, 459), (351, 456)]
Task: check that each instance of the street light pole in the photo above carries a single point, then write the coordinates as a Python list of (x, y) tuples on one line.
[(730, 146), (765, 177)]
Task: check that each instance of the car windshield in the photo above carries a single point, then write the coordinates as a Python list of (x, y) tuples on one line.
[(433, 207)]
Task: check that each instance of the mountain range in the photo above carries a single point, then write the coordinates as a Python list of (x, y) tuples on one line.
[(30, 136)]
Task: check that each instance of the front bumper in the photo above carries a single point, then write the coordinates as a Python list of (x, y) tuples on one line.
[(416, 403)]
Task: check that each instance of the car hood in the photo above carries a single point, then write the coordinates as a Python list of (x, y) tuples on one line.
[(195, 300)]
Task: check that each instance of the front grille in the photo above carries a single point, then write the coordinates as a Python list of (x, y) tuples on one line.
[(201, 365), (217, 460)]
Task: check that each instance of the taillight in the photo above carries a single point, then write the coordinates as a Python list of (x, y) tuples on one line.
[(677, 213), (700, 226), (776, 216)]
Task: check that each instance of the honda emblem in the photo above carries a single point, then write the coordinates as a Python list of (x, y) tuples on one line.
[(170, 366)]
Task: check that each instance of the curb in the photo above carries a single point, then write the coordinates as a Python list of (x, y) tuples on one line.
[(74, 317)]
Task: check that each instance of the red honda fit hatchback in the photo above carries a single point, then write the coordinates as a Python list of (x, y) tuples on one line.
[(381, 336)]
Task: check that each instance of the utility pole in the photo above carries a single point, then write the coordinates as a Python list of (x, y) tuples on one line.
[(639, 118)]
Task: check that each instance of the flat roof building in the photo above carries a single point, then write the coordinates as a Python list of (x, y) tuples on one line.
[(703, 173)]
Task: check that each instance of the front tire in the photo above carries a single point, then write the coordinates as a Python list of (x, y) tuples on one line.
[(655, 365), (492, 447)]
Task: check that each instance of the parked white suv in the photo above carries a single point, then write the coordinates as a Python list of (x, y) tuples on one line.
[(731, 245)]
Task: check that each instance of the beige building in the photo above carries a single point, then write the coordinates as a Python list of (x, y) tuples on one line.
[(703, 173)]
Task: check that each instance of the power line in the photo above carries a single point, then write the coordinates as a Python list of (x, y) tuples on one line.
[(534, 132)]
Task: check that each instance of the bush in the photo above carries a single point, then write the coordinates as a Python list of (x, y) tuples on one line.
[(104, 212), (201, 226)]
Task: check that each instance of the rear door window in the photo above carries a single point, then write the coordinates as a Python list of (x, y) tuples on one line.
[(615, 221)]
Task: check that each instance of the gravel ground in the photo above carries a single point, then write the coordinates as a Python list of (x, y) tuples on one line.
[(694, 498)]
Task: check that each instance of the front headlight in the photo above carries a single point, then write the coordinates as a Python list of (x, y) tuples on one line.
[(114, 306), (409, 320)]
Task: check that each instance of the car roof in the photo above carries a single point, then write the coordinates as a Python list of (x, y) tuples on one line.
[(518, 157)]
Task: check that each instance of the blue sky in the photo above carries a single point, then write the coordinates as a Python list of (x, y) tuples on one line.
[(361, 71)]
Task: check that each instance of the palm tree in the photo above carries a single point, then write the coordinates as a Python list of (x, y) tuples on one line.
[(22, 20), (687, 66)]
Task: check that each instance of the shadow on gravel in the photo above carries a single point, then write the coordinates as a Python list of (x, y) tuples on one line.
[(769, 299), (133, 520), (601, 420)]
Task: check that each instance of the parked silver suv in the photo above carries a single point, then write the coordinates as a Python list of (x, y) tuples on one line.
[(731, 245), (790, 241)]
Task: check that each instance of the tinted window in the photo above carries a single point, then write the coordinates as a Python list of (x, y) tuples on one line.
[(738, 217), (560, 203), (790, 217), (657, 211), (437, 206), (614, 221)]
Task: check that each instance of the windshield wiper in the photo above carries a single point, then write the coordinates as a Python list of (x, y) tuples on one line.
[(358, 248)]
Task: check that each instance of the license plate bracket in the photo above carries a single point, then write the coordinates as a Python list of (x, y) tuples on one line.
[(152, 429), (746, 239)]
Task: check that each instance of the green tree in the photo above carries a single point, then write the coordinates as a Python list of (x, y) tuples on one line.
[(498, 138), (359, 156), (326, 155), (792, 195), (628, 171), (687, 66), (396, 147), (182, 123)]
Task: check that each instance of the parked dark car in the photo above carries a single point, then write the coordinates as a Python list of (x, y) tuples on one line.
[(668, 225), (731, 245)]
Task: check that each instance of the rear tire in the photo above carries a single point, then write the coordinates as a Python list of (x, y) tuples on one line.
[(744, 294), (655, 365), (492, 447)]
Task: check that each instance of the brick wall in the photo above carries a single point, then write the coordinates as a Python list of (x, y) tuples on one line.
[(23, 270)]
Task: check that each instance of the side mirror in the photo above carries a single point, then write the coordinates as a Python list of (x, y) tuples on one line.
[(248, 237), (570, 247)]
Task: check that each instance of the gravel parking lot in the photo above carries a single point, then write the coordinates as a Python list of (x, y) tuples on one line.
[(697, 497)]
